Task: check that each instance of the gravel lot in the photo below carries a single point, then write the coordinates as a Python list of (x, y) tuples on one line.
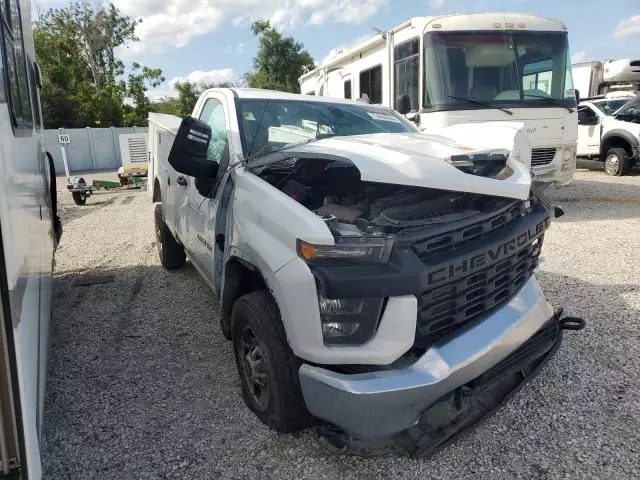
[(142, 385)]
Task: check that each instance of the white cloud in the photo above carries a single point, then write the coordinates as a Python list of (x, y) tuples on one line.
[(436, 3), (578, 57), (199, 77), (177, 22), (629, 27)]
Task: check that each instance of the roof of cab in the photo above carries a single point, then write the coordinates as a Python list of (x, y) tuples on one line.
[(259, 94)]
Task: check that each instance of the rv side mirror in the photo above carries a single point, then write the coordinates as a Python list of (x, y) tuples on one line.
[(577, 92), (189, 150), (403, 104)]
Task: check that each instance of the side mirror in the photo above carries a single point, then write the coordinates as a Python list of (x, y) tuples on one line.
[(403, 104), (189, 150)]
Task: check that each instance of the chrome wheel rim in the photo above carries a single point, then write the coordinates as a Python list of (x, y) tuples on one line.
[(612, 164)]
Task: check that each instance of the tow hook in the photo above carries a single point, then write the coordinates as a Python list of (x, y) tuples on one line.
[(569, 323), (558, 211)]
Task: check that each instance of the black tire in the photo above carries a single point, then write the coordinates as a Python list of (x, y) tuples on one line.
[(617, 162), (79, 198), (279, 403), (171, 253)]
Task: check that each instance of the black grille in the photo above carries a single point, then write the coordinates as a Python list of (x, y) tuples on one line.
[(445, 308), (542, 156), (454, 239)]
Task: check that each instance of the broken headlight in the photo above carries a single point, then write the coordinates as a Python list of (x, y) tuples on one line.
[(349, 321), (355, 249)]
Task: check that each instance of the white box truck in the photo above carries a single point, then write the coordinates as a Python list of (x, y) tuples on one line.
[(371, 277), (599, 78), (466, 68)]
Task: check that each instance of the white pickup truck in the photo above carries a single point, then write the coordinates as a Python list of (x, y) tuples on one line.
[(610, 135), (373, 279)]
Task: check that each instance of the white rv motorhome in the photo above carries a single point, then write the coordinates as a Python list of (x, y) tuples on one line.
[(29, 231), (612, 76), (466, 68)]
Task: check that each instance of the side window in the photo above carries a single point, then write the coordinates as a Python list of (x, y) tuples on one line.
[(586, 116), (347, 89), (406, 72), (16, 65), (213, 114), (371, 84)]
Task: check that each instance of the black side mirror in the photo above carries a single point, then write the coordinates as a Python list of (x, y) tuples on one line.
[(189, 150), (403, 104)]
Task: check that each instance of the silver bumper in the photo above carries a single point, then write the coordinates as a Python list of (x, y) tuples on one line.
[(379, 404)]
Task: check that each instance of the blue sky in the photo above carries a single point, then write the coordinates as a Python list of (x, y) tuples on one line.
[(210, 40)]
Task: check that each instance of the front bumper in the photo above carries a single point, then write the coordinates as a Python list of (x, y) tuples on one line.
[(383, 403)]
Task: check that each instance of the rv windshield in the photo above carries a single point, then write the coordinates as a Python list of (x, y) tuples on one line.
[(271, 125), (487, 69)]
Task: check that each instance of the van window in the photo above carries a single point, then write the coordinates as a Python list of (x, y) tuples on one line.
[(347, 89), (371, 84), (16, 65), (406, 72)]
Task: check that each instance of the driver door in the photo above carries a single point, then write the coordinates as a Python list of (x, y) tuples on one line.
[(588, 132), (198, 210)]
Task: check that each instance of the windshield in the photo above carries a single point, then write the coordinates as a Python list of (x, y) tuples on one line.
[(270, 125), (610, 106), (480, 69), (630, 112)]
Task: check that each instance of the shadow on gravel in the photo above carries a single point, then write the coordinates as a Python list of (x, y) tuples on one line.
[(591, 200), (143, 385)]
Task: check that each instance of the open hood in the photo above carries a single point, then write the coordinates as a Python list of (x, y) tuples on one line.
[(420, 160)]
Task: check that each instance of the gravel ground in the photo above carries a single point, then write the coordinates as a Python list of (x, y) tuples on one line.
[(142, 384)]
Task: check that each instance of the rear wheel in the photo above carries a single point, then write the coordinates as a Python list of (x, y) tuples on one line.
[(171, 253), (267, 367), (617, 162)]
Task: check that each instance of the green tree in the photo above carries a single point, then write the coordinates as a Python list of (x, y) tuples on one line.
[(84, 82), (188, 93), (279, 62), (140, 79)]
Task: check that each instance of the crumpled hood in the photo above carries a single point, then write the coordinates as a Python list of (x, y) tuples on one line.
[(422, 160)]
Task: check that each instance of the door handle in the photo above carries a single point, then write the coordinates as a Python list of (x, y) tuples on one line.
[(181, 180)]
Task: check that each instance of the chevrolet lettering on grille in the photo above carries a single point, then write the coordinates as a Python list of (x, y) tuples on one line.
[(488, 257)]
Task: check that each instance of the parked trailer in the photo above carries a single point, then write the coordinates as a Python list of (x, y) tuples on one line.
[(29, 231), (599, 78), (467, 68)]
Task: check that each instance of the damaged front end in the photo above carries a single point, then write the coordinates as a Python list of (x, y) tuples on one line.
[(459, 230), (461, 409)]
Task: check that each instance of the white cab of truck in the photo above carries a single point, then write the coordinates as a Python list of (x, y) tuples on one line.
[(609, 131), (468, 68), (369, 275)]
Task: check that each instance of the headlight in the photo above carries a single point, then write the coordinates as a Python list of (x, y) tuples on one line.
[(355, 249), (568, 158), (568, 153), (349, 321)]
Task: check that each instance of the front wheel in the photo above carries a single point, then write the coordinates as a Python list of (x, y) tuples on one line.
[(617, 162), (267, 367)]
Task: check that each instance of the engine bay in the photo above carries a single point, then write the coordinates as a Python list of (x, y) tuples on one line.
[(334, 191)]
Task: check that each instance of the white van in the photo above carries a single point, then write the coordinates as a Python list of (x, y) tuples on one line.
[(29, 233)]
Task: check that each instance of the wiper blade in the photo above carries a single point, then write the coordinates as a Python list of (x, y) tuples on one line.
[(549, 100), (482, 104)]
